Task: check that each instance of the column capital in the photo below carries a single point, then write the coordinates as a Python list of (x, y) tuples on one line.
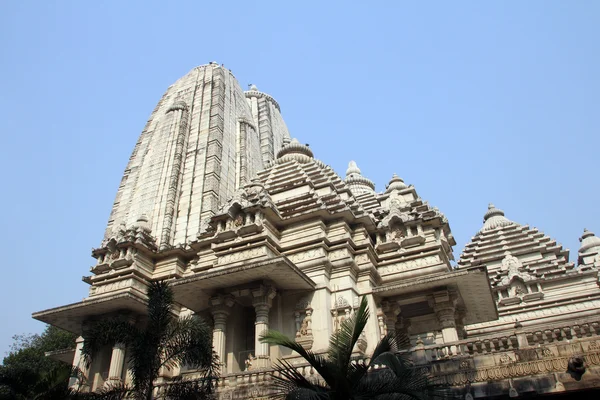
[(390, 309), (263, 296), (119, 346), (221, 302), (444, 303)]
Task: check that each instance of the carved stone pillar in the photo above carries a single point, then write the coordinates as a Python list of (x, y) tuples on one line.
[(117, 360), (220, 309), (460, 316), (262, 299), (445, 309), (79, 362), (390, 316)]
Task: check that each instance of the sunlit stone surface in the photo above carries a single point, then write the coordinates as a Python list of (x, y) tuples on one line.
[(256, 233)]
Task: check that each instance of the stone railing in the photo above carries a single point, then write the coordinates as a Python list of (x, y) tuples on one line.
[(470, 361), (468, 347), (573, 332)]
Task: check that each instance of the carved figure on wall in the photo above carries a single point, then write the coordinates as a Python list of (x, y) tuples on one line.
[(249, 362), (304, 327), (238, 220), (397, 234), (518, 288), (512, 264)]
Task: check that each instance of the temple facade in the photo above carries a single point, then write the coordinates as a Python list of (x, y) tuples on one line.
[(255, 233)]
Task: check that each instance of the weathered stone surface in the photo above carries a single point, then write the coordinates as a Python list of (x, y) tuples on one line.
[(255, 233)]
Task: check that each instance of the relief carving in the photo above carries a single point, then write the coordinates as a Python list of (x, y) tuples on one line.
[(303, 319)]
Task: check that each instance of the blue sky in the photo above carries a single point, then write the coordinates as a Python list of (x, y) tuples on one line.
[(472, 102)]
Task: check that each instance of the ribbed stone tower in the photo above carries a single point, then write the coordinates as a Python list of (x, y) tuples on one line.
[(204, 140), (534, 284)]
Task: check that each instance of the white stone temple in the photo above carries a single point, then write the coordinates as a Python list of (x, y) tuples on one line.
[(256, 233)]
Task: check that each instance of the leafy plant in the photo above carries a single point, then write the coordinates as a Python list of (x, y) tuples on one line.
[(164, 341), (343, 376)]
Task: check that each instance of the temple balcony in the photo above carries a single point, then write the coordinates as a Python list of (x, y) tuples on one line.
[(520, 365)]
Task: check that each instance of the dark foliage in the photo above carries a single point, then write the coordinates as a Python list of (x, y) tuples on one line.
[(27, 373), (344, 377), (165, 341)]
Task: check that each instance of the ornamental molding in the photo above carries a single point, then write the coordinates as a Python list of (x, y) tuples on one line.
[(511, 370), (261, 95), (408, 265), (306, 255)]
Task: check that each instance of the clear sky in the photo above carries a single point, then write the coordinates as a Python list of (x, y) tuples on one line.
[(472, 102)]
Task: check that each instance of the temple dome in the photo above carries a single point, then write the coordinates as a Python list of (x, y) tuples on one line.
[(396, 183), (588, 241), (494, 218), (358, 184), (164, 175), (294, 150)]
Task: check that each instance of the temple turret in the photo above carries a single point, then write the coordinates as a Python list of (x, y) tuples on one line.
[(202, 142), (357, 183), (530, 274), (270, 126), (494, 218), (589, 252), (396, 183)]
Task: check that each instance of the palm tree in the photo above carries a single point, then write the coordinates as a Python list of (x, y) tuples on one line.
[(164, 341), (345, 377)]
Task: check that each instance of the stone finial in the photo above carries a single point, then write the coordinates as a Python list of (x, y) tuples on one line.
[(396, 183), (494, 218), (358, 184), (252, 87), (589, 241), (294, 150), (352, 169)]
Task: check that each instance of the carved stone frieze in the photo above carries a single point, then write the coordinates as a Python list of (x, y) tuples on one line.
[(306, 255), (408, 265), (100, 288), (244, 255)]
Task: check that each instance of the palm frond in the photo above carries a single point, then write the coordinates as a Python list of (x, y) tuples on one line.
[(289, 383), (181, 388), (144, 360), (189, 341), (343, 341), (107, 332), (319, 363), (160, 303)]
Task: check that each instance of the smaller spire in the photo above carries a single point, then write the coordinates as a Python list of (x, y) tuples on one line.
[(356, 182), (294, 150), (589, 241), (494, 218), (352, 169), (396, 183)]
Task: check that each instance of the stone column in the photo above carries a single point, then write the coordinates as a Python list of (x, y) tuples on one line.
[(445, 308), (262, 299), (79, 362), (117, 360), (390, 310), (220, 309)]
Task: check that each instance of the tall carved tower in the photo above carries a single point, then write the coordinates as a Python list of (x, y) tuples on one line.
[(205, 139)]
